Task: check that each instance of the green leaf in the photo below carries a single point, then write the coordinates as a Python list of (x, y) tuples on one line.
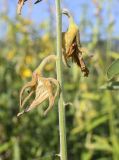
[(95, 123), (111, 86), (113, 69), (4, 147)]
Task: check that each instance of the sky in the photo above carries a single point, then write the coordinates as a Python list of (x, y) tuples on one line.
[(39, 13)]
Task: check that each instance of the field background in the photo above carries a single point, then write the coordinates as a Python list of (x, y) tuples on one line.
[(93, 116)]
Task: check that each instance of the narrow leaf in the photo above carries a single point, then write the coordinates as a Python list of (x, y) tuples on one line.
[(113, 69), (111, 86)]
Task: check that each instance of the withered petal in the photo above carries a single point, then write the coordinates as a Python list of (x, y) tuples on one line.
[(37, 1), (26, 99), (19, 6), (31, 85)]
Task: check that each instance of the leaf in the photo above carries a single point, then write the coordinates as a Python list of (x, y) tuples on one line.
[(114, 55), (113, 69), (5, 146), (100, 143), (111, 86), (95, 123)]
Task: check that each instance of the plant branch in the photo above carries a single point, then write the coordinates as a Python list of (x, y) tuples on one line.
[(44, 62), (61, 107)]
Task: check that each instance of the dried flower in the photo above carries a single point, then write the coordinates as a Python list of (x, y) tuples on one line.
[(21, 3), (72, 46), (43, 89), (19, 6)]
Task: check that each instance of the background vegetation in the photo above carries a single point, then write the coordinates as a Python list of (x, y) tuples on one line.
[(92, 119)]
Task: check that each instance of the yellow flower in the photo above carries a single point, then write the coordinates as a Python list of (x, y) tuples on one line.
[(26, 73), (10, 55), (46, 37), (28, 59)]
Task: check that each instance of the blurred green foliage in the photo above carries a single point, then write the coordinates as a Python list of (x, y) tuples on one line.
[(113, 69), (92, 118)]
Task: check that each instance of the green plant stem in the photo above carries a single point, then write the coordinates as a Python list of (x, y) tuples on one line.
[(61, 107)]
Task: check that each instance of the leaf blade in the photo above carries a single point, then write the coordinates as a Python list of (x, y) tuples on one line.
[(113, 69)]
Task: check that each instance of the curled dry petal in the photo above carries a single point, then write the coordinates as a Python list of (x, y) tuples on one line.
[(75, 53), (32, 84), (19, 6), (43, 91)]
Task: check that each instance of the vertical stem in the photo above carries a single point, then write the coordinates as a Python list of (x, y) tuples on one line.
[(61, 107)]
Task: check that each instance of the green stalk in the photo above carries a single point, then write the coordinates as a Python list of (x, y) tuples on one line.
[(61, 107)]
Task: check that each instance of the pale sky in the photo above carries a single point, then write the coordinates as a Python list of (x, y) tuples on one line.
[(39, 13)]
